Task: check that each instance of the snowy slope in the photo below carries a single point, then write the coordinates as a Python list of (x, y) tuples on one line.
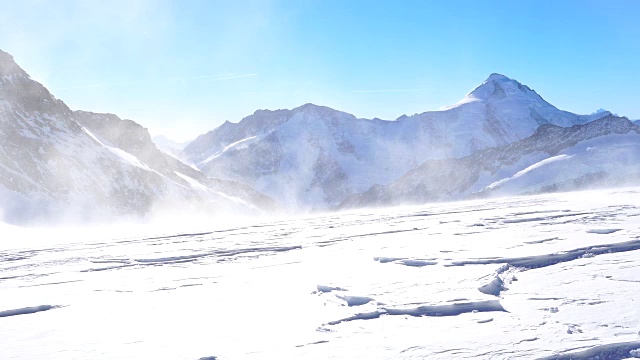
[(511, 278), (603, 152), (314, 156), (57, 163), (169, 146)]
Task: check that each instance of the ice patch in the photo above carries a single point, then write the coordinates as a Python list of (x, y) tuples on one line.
[(405, 261), (384, 260), (617, 351), (27, 310), (429, 310), (355, 300), (539, 261), (327, 289), (485, 321), (602, 231), (416, 262)]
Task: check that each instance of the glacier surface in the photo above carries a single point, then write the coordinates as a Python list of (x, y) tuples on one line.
[(549, 276)]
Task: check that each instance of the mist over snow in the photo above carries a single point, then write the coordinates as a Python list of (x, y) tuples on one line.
[(548, 276), (309, 233), (316, 158), (59, 165), (169, 146)]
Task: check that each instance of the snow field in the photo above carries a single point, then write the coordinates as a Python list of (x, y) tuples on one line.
[(516, 278)]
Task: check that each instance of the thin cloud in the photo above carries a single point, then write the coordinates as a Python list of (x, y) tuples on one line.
[(235, 77), (386, 90), (101, 85), (216, 77), (212, 77)]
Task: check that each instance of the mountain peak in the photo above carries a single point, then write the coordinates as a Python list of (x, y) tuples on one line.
[(310, 108), (8, 65), (499, 87), (497, 77)]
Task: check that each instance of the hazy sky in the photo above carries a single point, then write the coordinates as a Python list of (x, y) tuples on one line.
[(181, 68)]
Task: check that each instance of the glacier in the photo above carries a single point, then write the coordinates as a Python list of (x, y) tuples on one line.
[(551, 276)]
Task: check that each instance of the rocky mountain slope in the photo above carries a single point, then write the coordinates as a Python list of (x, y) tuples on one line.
[(57, 163), (604, 152), (315, 157)]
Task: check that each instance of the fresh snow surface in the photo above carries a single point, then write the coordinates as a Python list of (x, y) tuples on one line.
[(226, 148), (120, 154), (531, 168), (195, 184), (613, 154), (552, 276)]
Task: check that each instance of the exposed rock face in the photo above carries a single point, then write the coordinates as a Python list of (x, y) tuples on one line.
[(55, 162)]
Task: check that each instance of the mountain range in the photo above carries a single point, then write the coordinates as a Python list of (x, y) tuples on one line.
[(314, 157), (56, 163), (604, 152), (501, 139)]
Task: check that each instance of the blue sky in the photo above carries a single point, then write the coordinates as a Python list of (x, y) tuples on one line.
[(181, 68)]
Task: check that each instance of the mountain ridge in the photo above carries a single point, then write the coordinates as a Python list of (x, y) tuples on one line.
[(262, 149), (310, 157), (56, 163), (486, 172)]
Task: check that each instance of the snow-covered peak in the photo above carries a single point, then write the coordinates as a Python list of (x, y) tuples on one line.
[(602, 112), (313, 156), (313, 109), (499, 87), (307, 107), (497, 77)]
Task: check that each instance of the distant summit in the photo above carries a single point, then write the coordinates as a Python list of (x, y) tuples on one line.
[(498, 86), (496, 140), (313, 156), (603, 112), (497, 77)]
